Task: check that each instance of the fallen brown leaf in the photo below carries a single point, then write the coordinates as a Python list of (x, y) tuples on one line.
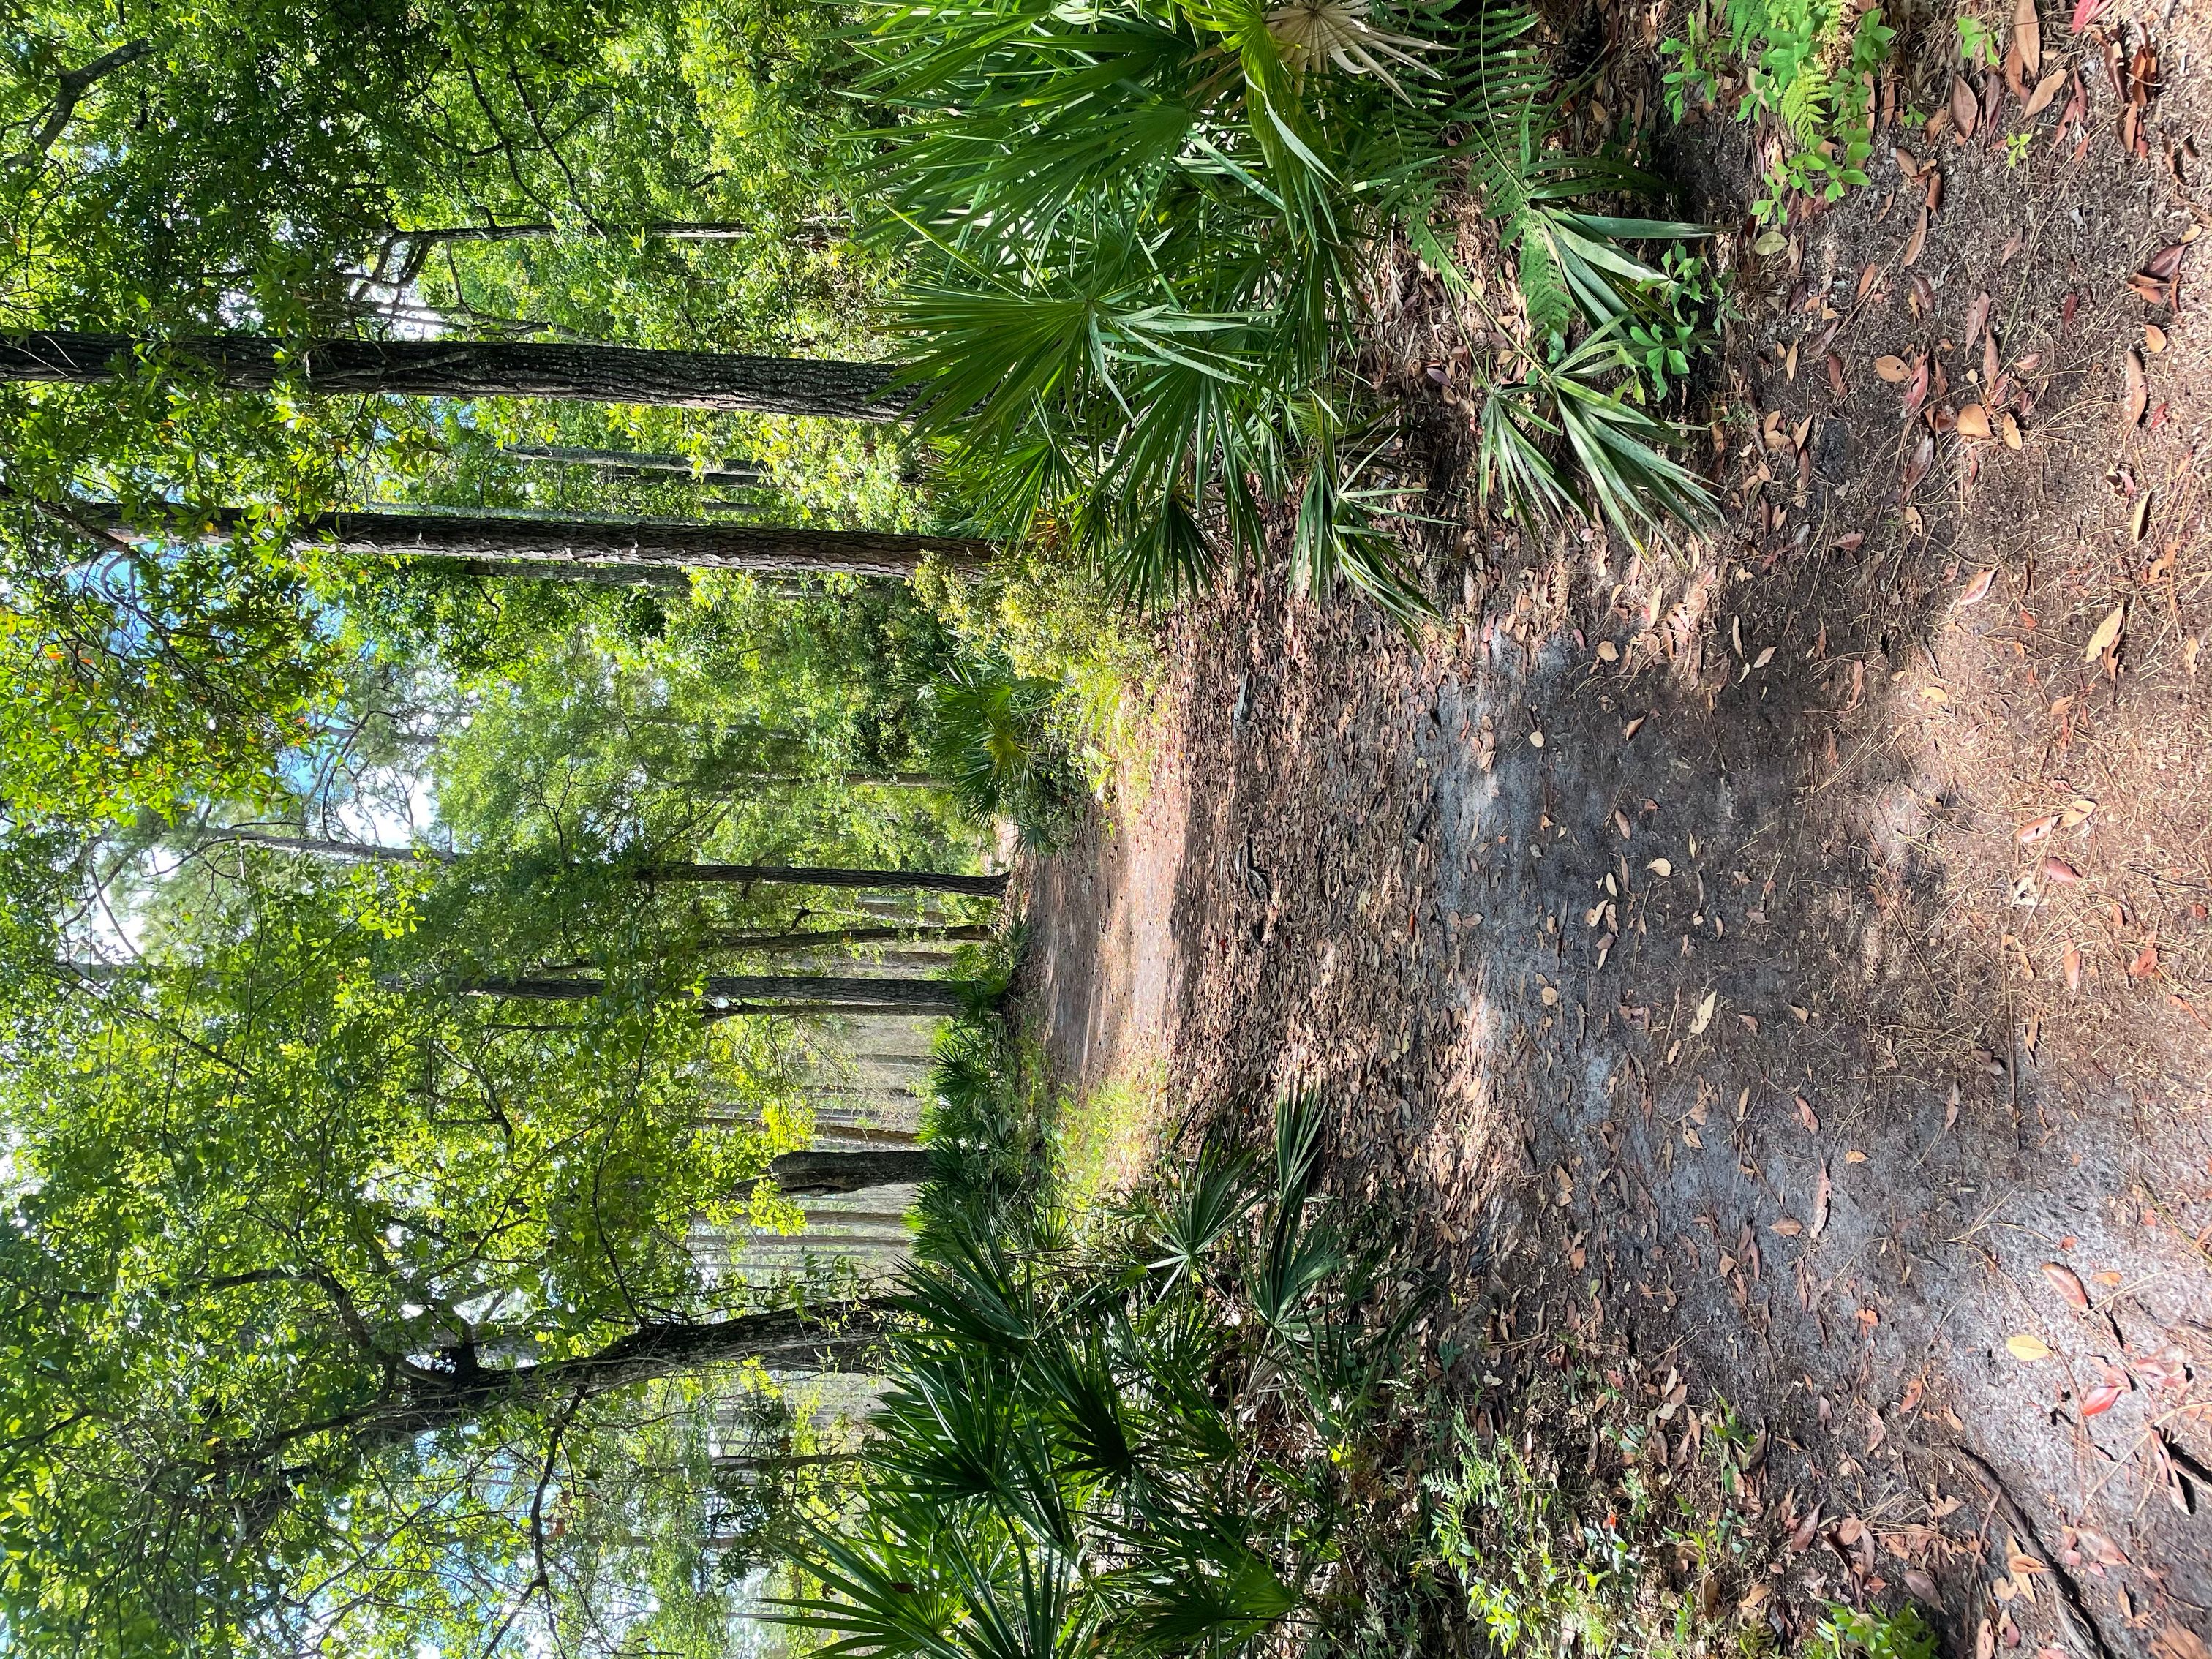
[(1892, 370), (2167, 262), (1915, 242), (1917, 468), (2010, 428), (2028, 833), (2027, 36), (2056, 869), (1965, 108), (2138, 388), (2027, 1349), (2146, 962), (2071, 963), (2068, 1284), (1979, 589), (2154, 337), (2107, 634), (1978, 318), (2045, 90), (1821, 1189), (1974, 421)]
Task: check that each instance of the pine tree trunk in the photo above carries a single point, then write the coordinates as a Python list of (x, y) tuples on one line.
[(809, 1175), (920, 881), (829, 939), (332, 849), (640, 463), (478, 368), (463, 1390), (523, 546), (812, 991)]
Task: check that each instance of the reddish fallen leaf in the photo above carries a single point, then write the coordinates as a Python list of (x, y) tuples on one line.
[(2138, 388), (2028, 833), (1974, 421), (2068, 1284), (2100, 1399), (1821, 1188), (1921, 1588), (2148, 289), (2146, 962), (1965, 108), (1916, 393), (2164, 1368), (1978, 317), (1917, 468), (1801, 1536), (2072, 964), (1836, 377), (1805, 1116), (1979, 589), (2056, 869), (2086, 12), (1915, 242), (2167, 262)]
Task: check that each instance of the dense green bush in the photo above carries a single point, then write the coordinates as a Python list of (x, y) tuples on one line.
[(1140, 1446), (1142, 234)]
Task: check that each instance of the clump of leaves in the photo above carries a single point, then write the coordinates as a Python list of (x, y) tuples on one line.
[(1140, 1448), (1143, 231), (1622, 1554), (1845, 1633), (1811, 65)]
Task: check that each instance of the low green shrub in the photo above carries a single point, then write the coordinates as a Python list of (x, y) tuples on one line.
[(993, 740), (1140, 1447), (1809, 64), (1845, 1633), (1145, 233)]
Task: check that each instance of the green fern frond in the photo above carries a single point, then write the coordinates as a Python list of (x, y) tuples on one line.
[(1544, 295)]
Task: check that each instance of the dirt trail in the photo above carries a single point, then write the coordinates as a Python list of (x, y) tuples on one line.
[(1787, 961)]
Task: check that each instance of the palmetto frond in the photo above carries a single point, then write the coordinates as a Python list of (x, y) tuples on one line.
[(1311, 33)]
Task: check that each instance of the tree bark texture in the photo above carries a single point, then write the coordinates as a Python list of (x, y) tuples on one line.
[(807, 1175), (726, 381), (527, 543), (829, 938), (463, 1391), (799, 875), (915, 995), (331, 850), (640, 463)]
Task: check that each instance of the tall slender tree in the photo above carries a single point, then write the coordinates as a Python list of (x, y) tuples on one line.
[(526, 546), (726, 381)]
